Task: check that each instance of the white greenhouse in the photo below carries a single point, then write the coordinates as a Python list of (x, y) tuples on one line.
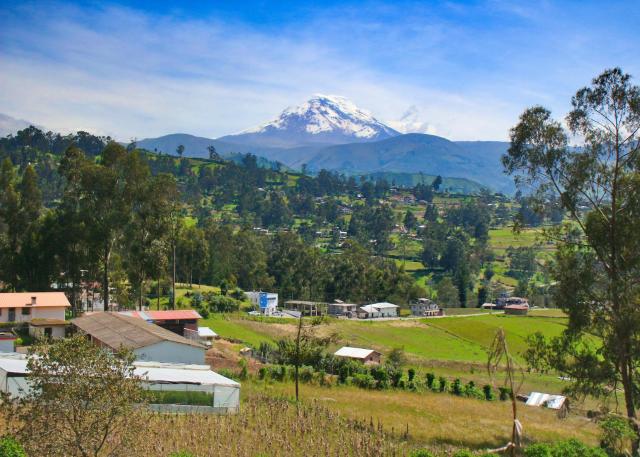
[(174, 387)]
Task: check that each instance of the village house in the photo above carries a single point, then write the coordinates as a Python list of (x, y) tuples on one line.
[(376, 310), (147, 341), (26, 306), (307, 308), (367, 356), (342, 309), (426, 308)]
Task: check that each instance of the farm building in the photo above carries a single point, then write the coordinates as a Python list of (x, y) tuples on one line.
[(25, 306), (342, 309), (174, 387), (147, 341), (266, 302), (362, 355), (374, 310), (175, 320), (503, 302), (516, 310), (307, 308), (426, 307)]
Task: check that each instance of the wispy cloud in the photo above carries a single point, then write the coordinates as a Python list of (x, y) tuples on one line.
[(458, 70)]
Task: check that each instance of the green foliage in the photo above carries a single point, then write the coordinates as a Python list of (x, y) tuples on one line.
[(567, 448), (421, 453), (616, 435), (9, 447), (181, 454)]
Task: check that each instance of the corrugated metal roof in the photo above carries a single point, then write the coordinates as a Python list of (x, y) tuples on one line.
[(353, 353), (551, 401), (174, 373), (206, 331), (166, 315), (43, 299), (117, 330), (384, 305)]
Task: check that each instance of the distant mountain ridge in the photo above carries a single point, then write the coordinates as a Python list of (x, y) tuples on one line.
[(331, 132), (321, 120)]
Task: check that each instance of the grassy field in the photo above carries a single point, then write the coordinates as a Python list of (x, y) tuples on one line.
[(438, 421)]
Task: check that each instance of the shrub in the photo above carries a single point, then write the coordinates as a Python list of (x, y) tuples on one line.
[(505, 393), (411, 373), (9, 447), (488, 392), (222, 304), (568, 448), (442, 384), (430, 378), (616, 435), (262, 373), (463, 453), (244, 372), (456, 387), (364, 381), (181, 454), (421, 453)]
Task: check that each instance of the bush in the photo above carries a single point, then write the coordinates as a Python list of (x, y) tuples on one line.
[(9, 447), (505, 393), (421, 453), (262, 373), (568, 448), (181, 454), (488, 392), (456, 387), (430, 379), (463, 453), (364, 381), (442, 384), (222, 304), (411, 373), (616, 435)]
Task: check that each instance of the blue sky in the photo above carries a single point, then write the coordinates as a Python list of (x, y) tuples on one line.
[(463, 70)]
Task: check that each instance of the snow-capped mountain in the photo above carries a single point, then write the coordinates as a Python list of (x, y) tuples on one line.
[(321, 120)]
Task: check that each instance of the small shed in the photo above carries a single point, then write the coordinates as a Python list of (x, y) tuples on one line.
[(367, 356), (548, 400)]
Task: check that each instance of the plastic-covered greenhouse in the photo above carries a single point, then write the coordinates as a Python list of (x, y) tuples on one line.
[(174, 387)]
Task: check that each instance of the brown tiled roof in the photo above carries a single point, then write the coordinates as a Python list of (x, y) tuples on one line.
[(23, 299), (117, 330)]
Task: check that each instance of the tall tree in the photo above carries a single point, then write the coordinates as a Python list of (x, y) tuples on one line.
[(597, 266), (180, 150)]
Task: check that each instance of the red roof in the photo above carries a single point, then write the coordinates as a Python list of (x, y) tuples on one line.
[(169, 315)]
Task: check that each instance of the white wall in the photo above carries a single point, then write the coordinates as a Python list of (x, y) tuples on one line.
[(57, 332), (168, 351), (48, 312)]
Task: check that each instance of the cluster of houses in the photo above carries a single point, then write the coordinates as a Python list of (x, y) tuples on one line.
[(168, 346)]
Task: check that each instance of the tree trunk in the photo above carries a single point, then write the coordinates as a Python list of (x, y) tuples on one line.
[(105, 279), (298, 355), (627, 386), (173, 279)]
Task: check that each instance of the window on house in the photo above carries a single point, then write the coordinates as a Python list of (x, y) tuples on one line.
[(26, 311)]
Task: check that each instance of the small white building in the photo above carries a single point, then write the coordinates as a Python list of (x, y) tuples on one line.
[(266, 302), (25, 306), (175, 387), (148, 342), (362, 355), (383, 309)]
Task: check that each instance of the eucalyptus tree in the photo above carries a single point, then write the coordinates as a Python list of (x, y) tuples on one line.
[(597, 266)]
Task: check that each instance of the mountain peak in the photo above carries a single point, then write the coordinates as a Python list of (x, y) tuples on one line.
[(322, 119)]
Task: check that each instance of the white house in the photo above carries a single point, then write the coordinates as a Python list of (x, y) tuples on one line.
[(25, 306), (383, 309), (217, 393), (267, 302), (149, 342)]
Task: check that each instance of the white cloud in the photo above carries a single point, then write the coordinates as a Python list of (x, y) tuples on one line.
[(127, 73)]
